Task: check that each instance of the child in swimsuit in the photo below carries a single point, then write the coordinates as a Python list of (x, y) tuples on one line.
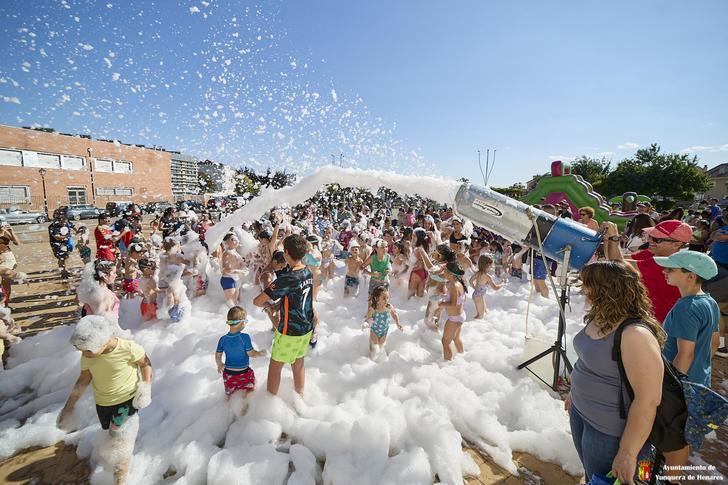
[(237, 375), (148, 287), (480, 281), (453, 304), (379, 316), (312, 260), (437, 282), (353, 268), (131, 271)]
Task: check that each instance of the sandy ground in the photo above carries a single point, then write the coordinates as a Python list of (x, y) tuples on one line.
[(48, 300)]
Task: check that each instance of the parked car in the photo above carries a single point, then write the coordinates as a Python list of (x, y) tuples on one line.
[(15, 215), (191, 204), (83, 212), (157, 207), (115, 209)]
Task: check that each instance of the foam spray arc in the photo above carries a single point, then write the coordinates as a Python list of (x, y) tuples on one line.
[(496, 212)]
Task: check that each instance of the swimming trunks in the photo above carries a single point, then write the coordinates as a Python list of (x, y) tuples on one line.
[(176, 313), (289, 348), (238, 380), (116, 413), (149, 310), (351, 281), (228, 283)]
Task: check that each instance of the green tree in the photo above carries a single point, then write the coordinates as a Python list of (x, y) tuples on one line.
[(674, 176), (206, 183), (515, 191), (593, 170)]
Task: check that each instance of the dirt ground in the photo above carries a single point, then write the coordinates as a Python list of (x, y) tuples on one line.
[(48, 300)]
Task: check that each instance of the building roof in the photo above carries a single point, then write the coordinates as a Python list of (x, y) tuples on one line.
[(718, 171)]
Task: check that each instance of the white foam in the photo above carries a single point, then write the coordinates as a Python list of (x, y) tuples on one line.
[(400, 420)]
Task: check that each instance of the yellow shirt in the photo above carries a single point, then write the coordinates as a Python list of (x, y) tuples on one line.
[(114, 375)]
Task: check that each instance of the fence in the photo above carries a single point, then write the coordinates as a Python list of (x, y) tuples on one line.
[(37, 203)]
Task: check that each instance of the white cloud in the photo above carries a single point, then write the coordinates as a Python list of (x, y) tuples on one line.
[(605, 154), (628, 146), (563, 158), (704, 148)]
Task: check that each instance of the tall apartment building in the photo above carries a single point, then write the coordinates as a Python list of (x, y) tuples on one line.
[(40, 169), (184, 175)]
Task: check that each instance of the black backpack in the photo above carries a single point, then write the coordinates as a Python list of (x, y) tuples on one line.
[(668, 430)]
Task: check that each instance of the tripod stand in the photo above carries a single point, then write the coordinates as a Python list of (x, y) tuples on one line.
[(558, 347)]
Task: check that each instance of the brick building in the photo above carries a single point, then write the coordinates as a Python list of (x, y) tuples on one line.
[(75, 170)]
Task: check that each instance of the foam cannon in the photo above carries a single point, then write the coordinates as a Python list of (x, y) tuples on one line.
[(525, 225)]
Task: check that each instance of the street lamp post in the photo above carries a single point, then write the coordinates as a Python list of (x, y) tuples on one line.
[(42, 173)]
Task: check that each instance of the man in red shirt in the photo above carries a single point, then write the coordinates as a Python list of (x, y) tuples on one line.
[(105, 239), (666, 239)]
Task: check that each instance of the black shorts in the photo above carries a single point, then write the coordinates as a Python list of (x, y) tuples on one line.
[(118, 413)]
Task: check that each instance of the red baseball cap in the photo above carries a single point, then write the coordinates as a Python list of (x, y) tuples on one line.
[(672, 229)]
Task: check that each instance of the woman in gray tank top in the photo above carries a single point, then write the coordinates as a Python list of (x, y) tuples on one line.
[(604, 441)]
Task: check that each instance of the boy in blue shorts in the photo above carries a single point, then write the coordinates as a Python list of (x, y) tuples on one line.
[(237, 375), (293, 288)]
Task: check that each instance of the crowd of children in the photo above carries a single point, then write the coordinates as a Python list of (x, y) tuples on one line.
[(418, 251)]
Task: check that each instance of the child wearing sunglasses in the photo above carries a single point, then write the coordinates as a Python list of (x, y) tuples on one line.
[(237, 375)]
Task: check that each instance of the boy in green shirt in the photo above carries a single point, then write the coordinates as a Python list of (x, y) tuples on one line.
[(111, 366)]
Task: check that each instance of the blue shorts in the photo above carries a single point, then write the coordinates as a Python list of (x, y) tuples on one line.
[(176, 313), (228, 283), (539, 269), (373, 284), (351, 281)]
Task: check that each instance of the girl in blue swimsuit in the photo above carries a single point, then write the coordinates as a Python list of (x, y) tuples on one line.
[(379, 317), (480, 281)]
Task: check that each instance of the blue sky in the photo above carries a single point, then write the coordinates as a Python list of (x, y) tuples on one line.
[(416, 86)]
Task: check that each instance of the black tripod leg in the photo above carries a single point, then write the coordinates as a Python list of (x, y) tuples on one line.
[(537, 357)]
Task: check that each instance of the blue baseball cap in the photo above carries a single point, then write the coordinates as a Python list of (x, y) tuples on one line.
[(699, 263)]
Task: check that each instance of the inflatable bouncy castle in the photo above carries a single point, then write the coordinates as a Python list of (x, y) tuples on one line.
[(562, 185)]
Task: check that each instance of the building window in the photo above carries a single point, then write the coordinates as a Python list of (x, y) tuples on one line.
[(122, 166), (76, 196), (43, 160), (72, 163), (14, 194), (103, 165), (11, 157), (104, 191), (124, 191)]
